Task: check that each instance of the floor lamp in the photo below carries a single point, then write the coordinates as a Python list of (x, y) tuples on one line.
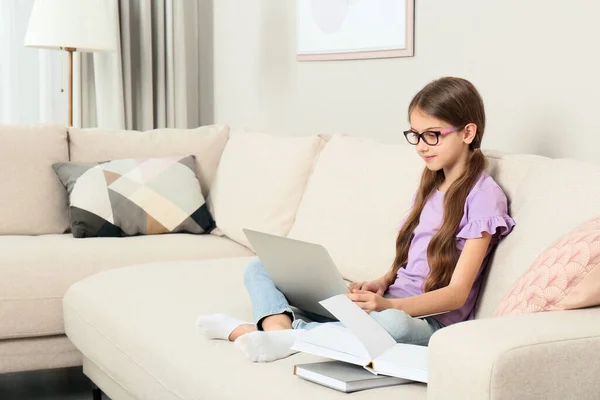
[(72, 25)]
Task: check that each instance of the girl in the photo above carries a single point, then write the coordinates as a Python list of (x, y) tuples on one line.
[(459, 215)]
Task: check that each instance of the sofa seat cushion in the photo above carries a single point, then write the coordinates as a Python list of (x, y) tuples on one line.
[(137, 325), (37, 353), (37, 271)]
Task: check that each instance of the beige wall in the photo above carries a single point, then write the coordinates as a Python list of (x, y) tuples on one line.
[(536, 63)]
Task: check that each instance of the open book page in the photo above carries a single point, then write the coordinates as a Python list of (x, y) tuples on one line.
[(335, 342), (373, 337), (404, 361)]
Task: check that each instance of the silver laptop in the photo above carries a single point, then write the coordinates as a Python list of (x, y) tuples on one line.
[(303, 272)]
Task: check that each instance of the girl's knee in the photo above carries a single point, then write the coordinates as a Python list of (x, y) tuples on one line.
[(397, 323), (391, 315)]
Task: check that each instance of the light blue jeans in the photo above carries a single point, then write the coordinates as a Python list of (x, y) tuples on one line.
[(267, 300)]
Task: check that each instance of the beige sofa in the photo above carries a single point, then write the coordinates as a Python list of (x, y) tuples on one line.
[(134, 326), (39, 261)]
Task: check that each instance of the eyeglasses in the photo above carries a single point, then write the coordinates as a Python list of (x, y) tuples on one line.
[(431, 138)]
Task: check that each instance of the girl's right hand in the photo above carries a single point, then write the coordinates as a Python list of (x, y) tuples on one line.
[(377, 286)]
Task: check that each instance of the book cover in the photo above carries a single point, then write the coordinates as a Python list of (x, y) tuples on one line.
[(344, 377)]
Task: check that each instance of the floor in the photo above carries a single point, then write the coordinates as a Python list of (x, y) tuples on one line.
[(57, 384)]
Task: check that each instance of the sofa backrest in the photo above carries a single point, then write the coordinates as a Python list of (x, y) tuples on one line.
[(32, 199), (206, 143), (354, 201), (360, 190), (548, 198), (259, 183)]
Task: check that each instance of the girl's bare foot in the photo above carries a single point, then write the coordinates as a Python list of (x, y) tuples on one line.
[(277, 322), (241, 330)]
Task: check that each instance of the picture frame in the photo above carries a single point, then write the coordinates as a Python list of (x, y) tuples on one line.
[(354, 29)]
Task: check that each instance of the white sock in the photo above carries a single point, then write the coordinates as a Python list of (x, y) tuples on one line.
[(218, 326), (268, 346)]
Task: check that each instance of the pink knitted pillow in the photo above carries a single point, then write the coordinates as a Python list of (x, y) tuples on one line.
[(566, 276)]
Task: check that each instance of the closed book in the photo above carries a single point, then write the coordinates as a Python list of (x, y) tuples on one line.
[(344, 377)]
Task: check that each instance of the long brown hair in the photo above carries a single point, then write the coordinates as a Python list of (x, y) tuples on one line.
[(456, 101)]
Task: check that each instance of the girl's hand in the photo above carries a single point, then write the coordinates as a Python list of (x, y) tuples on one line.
[(376, 286), (369, 301)]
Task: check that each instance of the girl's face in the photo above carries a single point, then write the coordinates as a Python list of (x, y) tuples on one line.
[(452, 141)]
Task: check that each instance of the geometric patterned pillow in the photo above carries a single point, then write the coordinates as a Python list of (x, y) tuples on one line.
[(564, 277), (135, 197)]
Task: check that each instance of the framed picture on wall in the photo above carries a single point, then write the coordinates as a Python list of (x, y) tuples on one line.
[(354, 29)]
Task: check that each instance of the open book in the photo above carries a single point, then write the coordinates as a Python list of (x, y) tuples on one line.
[(363, 342)]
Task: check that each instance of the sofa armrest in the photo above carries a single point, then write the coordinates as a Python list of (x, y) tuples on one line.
[(550, 355)]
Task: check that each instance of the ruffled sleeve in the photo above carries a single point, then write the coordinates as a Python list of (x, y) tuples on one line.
[(486, 210)]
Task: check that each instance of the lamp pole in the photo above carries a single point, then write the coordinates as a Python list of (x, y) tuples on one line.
[(70, 50)]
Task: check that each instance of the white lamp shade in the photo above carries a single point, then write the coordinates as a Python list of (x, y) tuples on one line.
[(83, 24)]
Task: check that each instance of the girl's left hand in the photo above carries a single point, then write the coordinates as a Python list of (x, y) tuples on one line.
[(369, 301)]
